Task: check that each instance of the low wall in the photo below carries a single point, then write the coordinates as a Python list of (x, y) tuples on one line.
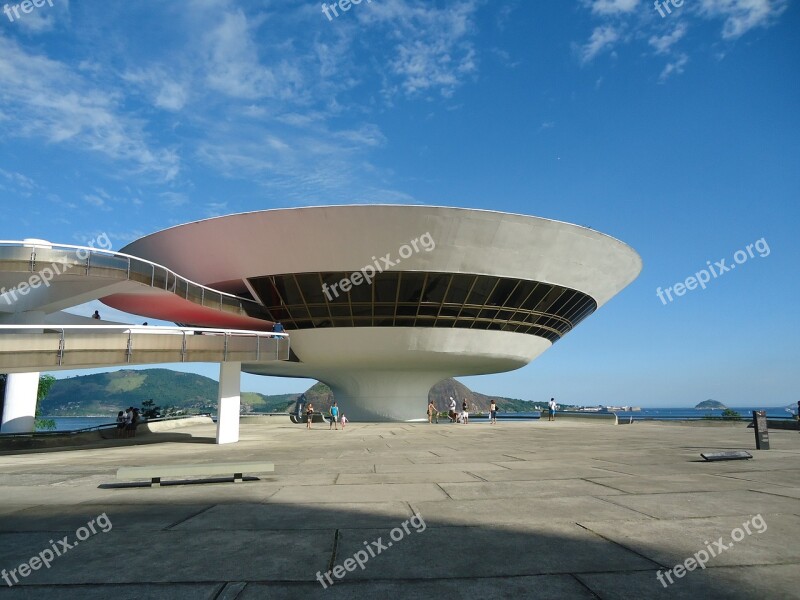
[(600, 417)]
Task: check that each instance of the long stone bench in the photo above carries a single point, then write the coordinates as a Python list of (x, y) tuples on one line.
[(155, 472), (608, 418), (317, 418)]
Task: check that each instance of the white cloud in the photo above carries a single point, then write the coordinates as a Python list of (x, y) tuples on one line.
[(433, 49), (162, 88), (45, 99), (673, 68), (612, 7), (663, 43), (743, 15), (601, 39)]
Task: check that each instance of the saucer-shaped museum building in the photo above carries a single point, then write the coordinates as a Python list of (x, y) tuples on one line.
[(382, 302)]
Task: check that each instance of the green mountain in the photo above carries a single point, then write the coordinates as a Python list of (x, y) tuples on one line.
[(107, 393)]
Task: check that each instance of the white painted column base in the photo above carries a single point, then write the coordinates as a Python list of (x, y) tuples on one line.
[(228, 402), (19, 410)]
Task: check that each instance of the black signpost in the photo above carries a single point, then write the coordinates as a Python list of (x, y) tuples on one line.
[(760, 429)]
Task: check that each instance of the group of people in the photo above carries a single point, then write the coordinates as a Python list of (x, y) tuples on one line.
[(334, 416), (127, 421), (463, 416)]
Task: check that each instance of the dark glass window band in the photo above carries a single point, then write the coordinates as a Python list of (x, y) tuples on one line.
[(422, 299)]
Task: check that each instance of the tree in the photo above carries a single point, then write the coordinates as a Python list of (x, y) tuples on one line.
[(45, 384), (731, 414), (150, 410)]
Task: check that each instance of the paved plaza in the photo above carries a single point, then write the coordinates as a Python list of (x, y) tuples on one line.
[(513, 510)]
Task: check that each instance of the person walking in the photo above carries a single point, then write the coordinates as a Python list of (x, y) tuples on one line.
[(492, 412), (309, 415), (464, 412), (344, 421), (334, 416), (452, 413), (552, 410)]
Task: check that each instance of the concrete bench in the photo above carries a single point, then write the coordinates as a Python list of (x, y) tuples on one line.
[(317, 418), (155, 472)]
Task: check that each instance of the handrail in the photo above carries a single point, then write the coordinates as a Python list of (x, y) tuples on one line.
[(148, 329), (129, 258)]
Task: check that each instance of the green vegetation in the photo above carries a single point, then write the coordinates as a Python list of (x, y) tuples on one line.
[(108, 393), (45, 385), (731, 414)]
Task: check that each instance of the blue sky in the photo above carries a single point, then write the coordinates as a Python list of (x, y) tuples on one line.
[(676, 134)]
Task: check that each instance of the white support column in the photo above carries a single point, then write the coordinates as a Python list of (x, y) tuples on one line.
[(228, 401), (19, 409)]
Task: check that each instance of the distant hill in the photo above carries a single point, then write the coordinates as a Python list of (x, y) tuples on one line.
[(107, 393), (710, 404)]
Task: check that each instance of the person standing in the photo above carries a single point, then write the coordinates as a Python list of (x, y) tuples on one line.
[(492, 412), (452, 412), (309, 415), (552, 410), (334, 416), (464, 412), (344, 421), (120, 424), (432, 412)]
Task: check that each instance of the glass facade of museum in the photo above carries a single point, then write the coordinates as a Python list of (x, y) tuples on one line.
[(422, 299)]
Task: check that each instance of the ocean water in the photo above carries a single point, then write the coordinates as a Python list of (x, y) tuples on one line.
[(773, 412), (674, 414), (73, 423)]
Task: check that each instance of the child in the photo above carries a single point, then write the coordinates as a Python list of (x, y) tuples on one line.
[(343, 421)]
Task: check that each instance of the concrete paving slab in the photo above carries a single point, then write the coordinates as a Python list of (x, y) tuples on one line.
[(437, 467), (455, 552), (181, 556), (146, 591), (424, 477), (789, 492), (789, 478), (731, 583), (359, 493), (560, 488), (511, 513), (71, 517), (259, 517), (707, 504), (548, 473), (673, 483), (543, 587), (772, 539)]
